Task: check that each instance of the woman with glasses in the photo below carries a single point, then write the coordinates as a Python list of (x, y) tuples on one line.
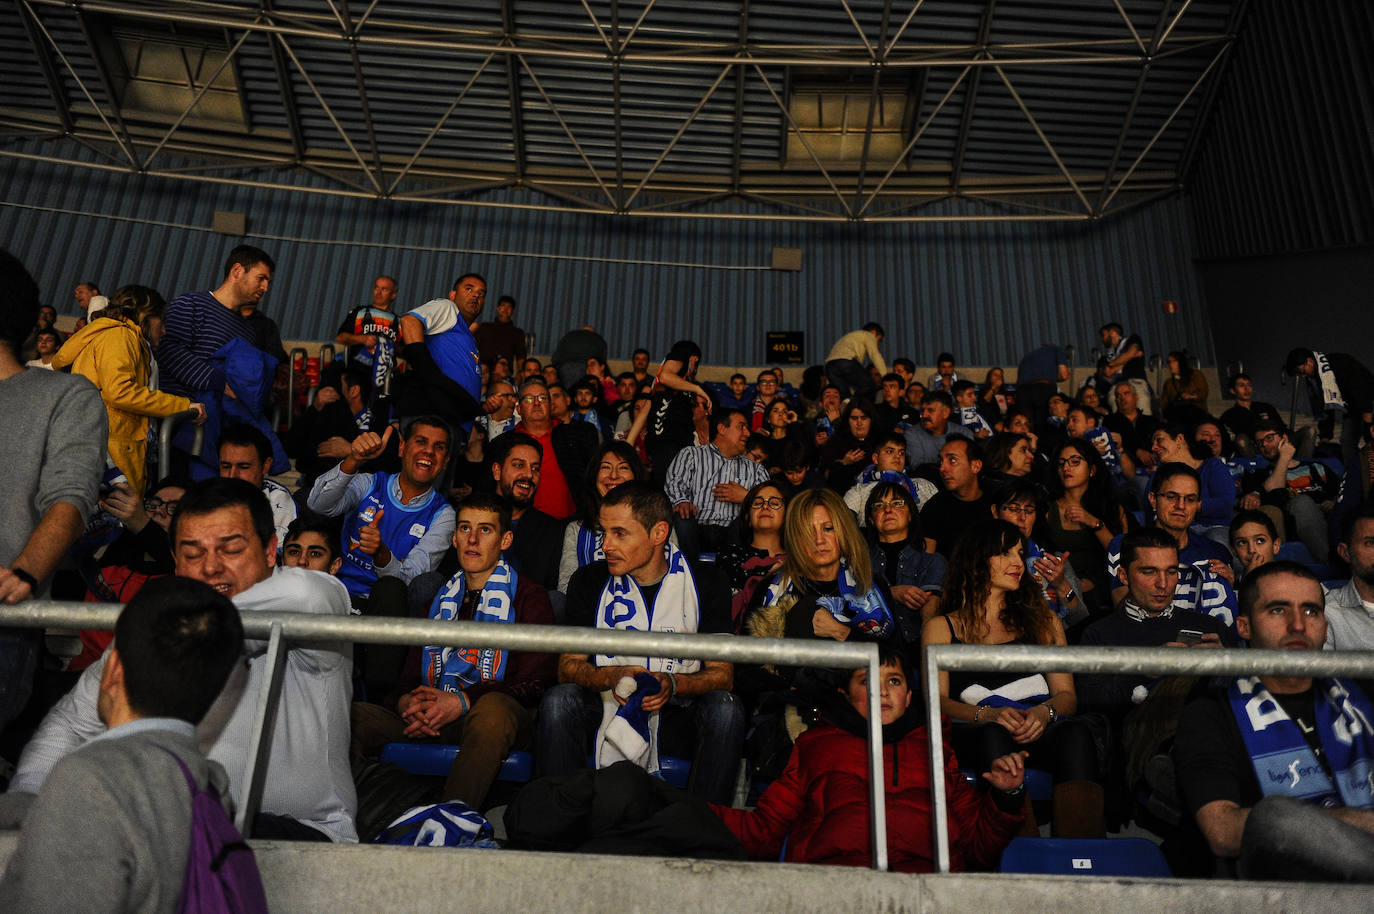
[(768, 392), (1083, 516), (991, 599), (140, 553), (115, 353), (615, 462), (1172, 444), (781, 425), (915, 577), (850, 448), (757, 548)]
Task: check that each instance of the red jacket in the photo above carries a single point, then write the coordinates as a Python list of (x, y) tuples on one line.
[(820, 802)]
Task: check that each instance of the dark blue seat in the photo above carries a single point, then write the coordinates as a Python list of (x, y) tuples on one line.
[(435, 760), (1085, 857)]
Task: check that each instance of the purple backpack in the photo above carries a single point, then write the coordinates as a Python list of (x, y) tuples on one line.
[(221, 871)]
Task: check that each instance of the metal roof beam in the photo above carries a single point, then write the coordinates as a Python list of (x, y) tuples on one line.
[(1167, 121), (429, 138), (902, 28), (874, 100), (1185, 162), (195, 100), (50, 77), (288, 97), (367, 114), (971, 98), (596, 23), (1035, 125), (1110, 174), (553, 109), (616, 48), (513, 95), (915, 137), (1125, 17), (782, 106), (737, 140), (644, 13), (677, 136), (868, 45), (329, 113), (1162, 37)]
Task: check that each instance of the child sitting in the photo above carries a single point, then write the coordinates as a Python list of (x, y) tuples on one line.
[(820, 803)]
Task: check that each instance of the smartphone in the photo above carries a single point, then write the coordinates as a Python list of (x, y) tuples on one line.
[(1190, 636)]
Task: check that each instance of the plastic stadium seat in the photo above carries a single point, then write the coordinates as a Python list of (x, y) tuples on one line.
[(435, 760), (1085, 857), (1296, 551)]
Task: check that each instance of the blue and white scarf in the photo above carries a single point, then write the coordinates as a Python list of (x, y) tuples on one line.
[(871, 473), (454, 669), (864, 612), (675, 609), (1285, 764), (1202, 590), (1326, 380), (449, 824), (1024, 693), (383, 363), (588, 546), (622, 606)]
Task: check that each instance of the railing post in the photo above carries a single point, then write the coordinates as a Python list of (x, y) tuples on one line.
[(264, 726), (939, 801), (164, 439), (291, 384), (877, 793)]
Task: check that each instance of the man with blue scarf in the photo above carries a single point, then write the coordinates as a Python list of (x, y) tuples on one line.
[(482, 699), (1279, 770)]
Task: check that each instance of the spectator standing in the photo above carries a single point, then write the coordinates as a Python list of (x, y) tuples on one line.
[(844, 365), (501, 337)]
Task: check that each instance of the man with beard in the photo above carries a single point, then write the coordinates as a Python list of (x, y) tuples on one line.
[(516, 465)]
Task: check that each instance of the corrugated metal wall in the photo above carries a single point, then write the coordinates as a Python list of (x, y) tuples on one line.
[(987, 292), (1286, 163)]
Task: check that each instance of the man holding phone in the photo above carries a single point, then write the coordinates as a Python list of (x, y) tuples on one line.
[(1148, 617)]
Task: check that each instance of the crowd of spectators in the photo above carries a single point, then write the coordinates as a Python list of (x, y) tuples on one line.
[(439, 470)]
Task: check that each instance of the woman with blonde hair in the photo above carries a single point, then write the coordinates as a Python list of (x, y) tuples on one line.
[(114, 352), (826, 588)]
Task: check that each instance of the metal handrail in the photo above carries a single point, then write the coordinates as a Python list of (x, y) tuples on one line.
[(326, 347), (1123, 660), (164, 439), (282, 627), (291, 383)]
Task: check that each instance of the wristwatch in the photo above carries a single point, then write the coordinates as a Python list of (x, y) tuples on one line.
[(1054, 715)]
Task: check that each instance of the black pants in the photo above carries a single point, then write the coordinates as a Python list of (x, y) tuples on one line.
[(1066, 749)]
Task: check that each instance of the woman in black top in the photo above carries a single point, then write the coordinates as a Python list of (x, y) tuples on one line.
[(757, 549), (669, 417), (991, 598)]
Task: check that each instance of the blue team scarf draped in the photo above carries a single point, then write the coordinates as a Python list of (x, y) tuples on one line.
[(864, 612), (383, 363), (453, 669), (1024, 693), (1326, 381), (588, 546), (1285, 764)]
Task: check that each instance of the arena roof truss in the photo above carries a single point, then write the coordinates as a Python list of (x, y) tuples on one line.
[(810, 110)]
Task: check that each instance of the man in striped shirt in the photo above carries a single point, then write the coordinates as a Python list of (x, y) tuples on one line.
[(707, 483), (199, 323)]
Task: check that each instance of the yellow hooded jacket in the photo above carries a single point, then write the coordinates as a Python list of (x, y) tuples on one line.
[(110, 353)]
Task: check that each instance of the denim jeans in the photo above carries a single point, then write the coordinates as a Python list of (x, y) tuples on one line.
[(18, 663), (708, 729)]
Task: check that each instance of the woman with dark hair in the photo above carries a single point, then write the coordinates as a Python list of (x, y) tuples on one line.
[(757, 547), (1184, 395), (991, 598), (897, 550), (780, 424), (992, 397), (1089, 397), (1083, 515), (614, 462), (1171, 444), (668, 422), (115, 352), (850, 448)]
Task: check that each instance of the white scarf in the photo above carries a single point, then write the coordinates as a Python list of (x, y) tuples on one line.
[(1331, 394), (622, 606)]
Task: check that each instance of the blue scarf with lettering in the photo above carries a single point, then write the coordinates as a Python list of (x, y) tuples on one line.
[(453, 669), (864, 612), (588, 546), (1285, 764)]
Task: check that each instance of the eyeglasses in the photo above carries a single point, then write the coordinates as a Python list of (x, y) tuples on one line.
[(774, 503), (895, 505), (1075, 461), (1022, 510), (532, 398), (768, 382), (1174, 498), (157, 505), (1271, 436)]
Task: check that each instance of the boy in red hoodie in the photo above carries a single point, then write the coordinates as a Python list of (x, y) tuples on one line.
[(820, 802)]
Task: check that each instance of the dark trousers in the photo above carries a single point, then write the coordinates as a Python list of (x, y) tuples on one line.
[(488, 732), (851, 378), (708, 729), (1066, 748), (380, 664), (694, 538)]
